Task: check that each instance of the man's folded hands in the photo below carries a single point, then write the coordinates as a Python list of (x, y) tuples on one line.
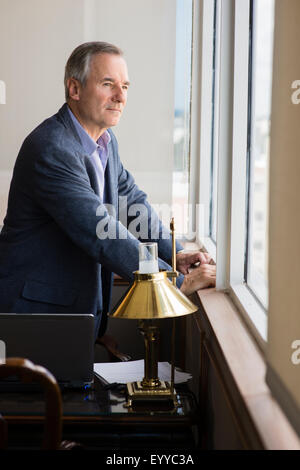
[(199, 277)]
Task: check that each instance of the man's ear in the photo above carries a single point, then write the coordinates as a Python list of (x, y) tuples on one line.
[(73, 88)]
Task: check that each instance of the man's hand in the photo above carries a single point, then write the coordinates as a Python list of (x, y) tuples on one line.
[(199, 278), (185, 261)]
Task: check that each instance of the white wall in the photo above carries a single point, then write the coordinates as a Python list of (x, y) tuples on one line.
[(36, 38)]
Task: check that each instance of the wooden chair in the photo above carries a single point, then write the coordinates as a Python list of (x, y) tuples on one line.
[(28, 372)]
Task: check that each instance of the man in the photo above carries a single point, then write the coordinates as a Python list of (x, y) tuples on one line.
[(54, 255)]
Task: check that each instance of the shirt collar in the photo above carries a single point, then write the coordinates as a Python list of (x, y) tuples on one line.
[(87, 142), (104, 139)]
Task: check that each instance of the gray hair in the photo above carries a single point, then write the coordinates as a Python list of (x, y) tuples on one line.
[(78, 64)]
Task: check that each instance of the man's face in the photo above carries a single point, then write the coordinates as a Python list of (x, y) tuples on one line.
[(100, 103)]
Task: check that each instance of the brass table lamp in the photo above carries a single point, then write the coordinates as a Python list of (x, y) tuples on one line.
[(153, 297)]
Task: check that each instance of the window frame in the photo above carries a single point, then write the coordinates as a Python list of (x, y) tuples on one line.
[(214, 151), (250, 307), (265, 332), (254, 279), (201, 119), (232, 129), (184, 236)]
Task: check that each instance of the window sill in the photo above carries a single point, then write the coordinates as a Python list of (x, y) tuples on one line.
[(248, 369), (252, 313)]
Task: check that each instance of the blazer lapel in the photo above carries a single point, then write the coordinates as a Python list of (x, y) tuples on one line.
[(64, 116), (110, 195), (92, 174)]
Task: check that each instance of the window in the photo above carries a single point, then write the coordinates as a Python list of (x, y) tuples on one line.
[(184, 21), (237, 150), (239, 201), (205, 125), (260, 74), (214, 129)]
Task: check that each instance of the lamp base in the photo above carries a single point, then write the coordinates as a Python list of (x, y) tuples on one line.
[(137, 393)]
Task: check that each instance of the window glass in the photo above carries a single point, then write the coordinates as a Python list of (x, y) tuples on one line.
[(214, 132), (262, 26), (180, 196)]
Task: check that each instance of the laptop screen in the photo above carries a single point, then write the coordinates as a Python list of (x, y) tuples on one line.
[(62, 343)]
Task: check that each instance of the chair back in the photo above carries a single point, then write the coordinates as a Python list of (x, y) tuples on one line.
[(28, 372)]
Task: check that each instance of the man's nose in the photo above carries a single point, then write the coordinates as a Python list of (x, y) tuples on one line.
[(119, 95)]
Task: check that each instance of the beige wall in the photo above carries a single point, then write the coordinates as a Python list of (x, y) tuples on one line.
[(284, 265), (37, 36)]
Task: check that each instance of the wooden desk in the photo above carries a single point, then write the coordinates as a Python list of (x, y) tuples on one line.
[(97, 419)]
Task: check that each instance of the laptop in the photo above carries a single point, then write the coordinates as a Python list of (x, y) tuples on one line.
[(62, 343)]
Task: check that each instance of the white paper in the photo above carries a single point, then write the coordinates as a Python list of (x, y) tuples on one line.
[(132, 371)]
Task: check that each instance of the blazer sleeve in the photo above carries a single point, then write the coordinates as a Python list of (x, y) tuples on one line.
[(142, 214), (61, 187)]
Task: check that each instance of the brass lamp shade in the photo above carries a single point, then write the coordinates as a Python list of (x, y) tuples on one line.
[(153, 296)]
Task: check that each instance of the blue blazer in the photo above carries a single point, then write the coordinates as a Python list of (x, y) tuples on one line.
[(51, 259)]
